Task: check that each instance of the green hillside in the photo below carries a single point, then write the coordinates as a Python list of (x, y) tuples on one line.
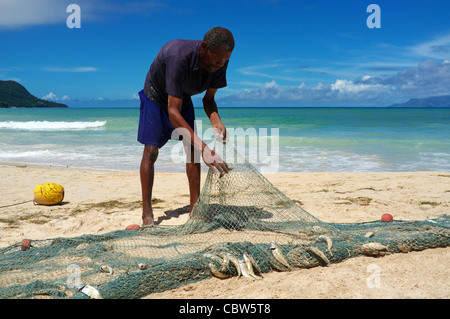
[(13, 94)]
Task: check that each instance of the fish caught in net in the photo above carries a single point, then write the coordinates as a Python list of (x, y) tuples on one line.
[(241, 225)]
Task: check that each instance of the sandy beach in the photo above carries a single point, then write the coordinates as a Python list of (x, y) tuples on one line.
[(101, 201)]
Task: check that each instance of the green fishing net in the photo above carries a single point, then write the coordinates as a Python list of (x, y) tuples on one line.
[(241, 226)]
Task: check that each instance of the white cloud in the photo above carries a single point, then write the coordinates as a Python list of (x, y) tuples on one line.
[(346, 86), (21, 13), (267, 71), (75, 69), (26, 13), (428, 78), (52, 97), (438, 48)]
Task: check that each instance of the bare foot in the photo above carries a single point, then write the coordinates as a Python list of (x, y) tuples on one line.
[(147, 218)]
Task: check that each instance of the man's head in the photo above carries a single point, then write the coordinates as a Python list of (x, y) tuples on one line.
[(216, 49)]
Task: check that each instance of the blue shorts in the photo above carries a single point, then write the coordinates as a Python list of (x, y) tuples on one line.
[(155, 128)]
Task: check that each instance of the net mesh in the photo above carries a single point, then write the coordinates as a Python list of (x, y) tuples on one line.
[(241, 226)]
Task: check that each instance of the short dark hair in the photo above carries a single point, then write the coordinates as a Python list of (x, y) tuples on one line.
[(219, 36)]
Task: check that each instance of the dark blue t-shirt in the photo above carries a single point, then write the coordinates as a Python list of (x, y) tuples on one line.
[(176, 71)]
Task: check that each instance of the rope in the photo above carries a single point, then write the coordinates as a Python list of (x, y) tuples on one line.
[(31, 200)]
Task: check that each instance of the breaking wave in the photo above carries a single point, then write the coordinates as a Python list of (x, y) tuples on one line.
[(51, 126)]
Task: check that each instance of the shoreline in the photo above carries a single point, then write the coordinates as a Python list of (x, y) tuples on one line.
[(335, 197), (98, 202)]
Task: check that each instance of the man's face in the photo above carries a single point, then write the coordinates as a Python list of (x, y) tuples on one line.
[(211, 61)]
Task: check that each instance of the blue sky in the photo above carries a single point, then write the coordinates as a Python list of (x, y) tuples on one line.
[(288, 53)]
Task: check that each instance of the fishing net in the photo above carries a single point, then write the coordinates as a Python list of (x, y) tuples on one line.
[(241, 226)]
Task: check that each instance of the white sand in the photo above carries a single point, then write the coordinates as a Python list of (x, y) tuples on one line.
[(331, 197)]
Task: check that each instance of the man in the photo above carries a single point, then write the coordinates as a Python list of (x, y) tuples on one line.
[(182, 68)]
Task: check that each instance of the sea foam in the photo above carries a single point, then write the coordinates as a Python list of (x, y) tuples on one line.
[(51, 126)]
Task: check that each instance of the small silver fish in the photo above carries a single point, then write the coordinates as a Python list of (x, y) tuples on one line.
[(90, 291), (235, 262), (255, 265), (319, 254), (216, 272), (369, 234), (107, 269), (142, 266), (249, 267), (375, 246), (404, 248), (212, 256), (278, 254), (375, 249), (314, 230), (324, 238), (226, 263), (244, 270)]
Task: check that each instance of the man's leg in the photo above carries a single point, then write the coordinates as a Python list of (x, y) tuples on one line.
[(147, 176), (193, 173)]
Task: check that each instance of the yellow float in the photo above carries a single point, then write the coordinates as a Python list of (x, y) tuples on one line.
[(48, 194)]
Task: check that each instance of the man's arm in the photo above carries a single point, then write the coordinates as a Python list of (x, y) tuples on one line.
[(210, 107), (178, 122), (210, 158)]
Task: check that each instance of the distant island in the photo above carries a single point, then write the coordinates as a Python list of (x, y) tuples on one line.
[(13, 94), (433, 101)]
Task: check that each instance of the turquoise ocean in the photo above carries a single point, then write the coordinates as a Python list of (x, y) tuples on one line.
[(300, 139)]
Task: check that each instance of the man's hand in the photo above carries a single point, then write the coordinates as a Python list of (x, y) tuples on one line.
[(213, 160), (210, 108), (220, 132)]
